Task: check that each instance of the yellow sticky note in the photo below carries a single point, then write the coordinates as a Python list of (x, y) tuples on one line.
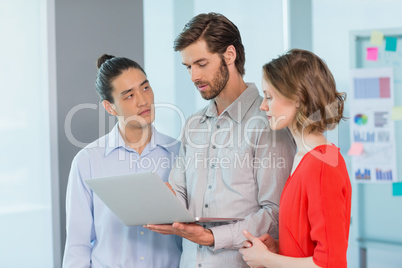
[(376, 38), (397, 113)]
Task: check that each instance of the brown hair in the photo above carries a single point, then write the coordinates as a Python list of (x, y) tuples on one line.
[(302, 75), (217, 31)]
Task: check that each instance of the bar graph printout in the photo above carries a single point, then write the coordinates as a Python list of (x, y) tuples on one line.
[(371, 101)]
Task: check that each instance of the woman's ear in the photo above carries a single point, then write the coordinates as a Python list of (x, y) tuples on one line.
[(298, 103), (109, 107)]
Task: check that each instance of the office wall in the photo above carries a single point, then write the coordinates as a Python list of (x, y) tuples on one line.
[(25, 196), (174, 92), (83, 31), (332, 22)]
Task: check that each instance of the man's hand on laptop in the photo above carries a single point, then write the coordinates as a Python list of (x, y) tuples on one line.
[(191, 231), (170, 187)]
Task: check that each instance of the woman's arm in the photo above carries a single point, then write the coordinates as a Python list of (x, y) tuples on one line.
[(258, 255)]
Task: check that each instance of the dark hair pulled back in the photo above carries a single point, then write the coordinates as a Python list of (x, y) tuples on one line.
[(109, 68)]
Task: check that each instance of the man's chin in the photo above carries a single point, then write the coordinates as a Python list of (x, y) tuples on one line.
[(207, 96), (143, 125)]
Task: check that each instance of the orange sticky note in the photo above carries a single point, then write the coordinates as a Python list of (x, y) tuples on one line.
[(356, 149)]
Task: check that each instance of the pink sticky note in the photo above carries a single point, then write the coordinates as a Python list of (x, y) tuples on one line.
[(356, 149), (372, 53)]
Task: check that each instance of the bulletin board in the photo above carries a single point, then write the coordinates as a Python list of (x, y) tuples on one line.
[(377, 212)]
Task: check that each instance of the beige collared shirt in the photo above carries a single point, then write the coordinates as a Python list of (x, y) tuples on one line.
[(231, 165)]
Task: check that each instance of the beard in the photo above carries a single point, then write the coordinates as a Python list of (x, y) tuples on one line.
[(219, 82)]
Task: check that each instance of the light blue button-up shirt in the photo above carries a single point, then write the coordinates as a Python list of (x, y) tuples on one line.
[(95, 236)]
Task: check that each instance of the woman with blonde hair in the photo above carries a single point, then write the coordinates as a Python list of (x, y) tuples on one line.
[(314, 210)]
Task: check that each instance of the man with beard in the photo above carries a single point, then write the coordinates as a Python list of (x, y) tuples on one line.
[(230, 164)]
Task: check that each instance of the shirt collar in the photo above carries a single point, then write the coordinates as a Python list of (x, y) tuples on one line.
[(238, 109), (115, 140), (161, 140)]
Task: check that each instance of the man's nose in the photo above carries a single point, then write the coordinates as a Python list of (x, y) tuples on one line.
[(195, 75), (141, 99)]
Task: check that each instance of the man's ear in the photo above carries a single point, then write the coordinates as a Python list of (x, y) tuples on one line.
[(109, 107), (230, 55)]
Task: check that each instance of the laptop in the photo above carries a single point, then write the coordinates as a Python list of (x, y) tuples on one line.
[(143, 198)]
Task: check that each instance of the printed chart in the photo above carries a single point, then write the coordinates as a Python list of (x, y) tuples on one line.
[(372, 101)]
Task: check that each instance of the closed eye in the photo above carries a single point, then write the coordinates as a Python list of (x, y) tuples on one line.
[(266, 96)]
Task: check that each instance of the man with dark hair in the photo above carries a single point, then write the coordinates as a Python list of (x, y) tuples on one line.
[(231, 164)]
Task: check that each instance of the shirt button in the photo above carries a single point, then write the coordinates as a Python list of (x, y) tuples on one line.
[(210, 186), (218, 126), (142, 233), (206, 205), (213, 147), (199, 265), (213, 166), (142, 258), (199, 246)]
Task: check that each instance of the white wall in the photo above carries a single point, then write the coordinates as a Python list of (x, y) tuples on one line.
[(332, 22), (159, 63), (25, 195)]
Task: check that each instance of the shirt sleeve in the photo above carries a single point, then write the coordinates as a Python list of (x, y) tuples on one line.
[(271, 180), (177, 177), (329, 214), (79, 215)]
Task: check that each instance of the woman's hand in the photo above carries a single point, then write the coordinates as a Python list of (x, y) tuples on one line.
[(255, 252), (270, 243)]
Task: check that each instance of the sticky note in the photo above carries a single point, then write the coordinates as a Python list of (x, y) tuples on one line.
[(376, 38), (372, 53), (396, 113), (397, 188), (356, 149), (390, 43)]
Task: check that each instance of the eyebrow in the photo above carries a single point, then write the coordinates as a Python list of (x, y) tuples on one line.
[(128, 90), (197, 61), (145, 81)]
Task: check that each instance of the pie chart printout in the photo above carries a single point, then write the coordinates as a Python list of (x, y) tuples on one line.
[(361, 119)]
